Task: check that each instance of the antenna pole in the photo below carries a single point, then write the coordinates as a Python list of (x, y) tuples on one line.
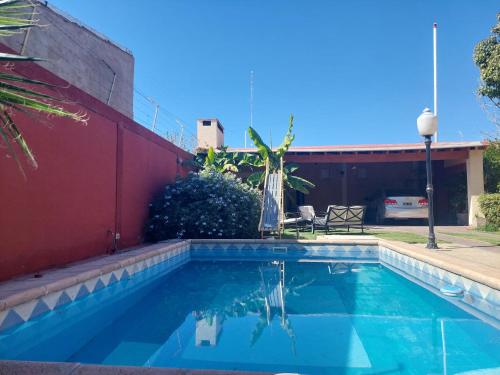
[(251, 104), (434, 28), (251, 98)]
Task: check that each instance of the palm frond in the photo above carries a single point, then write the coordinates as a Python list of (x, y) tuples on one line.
[(290, 167), (13, 133), (15, 18), (13, 57), (251, 160), (16, 78), (9, 98), (287, 141), (263, 149), (6, 3), (299, 183), (6, 139), (21, 90), (265, 154), (210, 159), (256, 179)]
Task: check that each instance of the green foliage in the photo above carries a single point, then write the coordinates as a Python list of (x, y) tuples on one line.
[(487, 58), (223, 161), (205, 205), (265, 154), (490, 206), (219, 161), (487, 228), (20, 94), (492, 167)]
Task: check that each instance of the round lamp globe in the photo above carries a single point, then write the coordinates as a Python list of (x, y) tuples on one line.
[(427, 123)]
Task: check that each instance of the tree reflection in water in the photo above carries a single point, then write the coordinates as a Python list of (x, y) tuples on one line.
[(267, 299)]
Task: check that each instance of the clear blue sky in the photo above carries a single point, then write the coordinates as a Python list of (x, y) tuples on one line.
[(351, 71)]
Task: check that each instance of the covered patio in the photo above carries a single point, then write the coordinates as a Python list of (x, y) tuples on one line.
[(364, 174)]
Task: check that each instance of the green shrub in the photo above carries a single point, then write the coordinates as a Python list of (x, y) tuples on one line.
[(487, 228), (205, 205), (490, 206), (492, 167)]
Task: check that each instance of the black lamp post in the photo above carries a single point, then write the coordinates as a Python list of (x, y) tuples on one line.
[(427, 126)]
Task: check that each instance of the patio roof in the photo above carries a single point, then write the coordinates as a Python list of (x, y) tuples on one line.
[(373, 153), (377, 148)]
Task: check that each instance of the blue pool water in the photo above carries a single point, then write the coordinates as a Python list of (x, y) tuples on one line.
[(307, 317)]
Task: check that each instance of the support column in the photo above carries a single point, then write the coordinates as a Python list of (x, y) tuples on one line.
[(475, 185)]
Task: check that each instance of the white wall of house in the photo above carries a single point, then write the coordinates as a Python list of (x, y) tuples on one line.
[(475, 185)]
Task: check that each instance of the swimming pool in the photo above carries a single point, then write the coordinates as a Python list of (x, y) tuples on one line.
[(279, 310)]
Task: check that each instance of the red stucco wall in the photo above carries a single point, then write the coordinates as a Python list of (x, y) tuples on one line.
[(92, 181)]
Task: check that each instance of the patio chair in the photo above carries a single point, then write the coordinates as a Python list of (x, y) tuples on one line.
[(292, 220), (338, 215), (355, 217), (334, 217), (307, 216)]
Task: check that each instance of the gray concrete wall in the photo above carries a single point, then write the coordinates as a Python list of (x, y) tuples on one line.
[(80, 56)]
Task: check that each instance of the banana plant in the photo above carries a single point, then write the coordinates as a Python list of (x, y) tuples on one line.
[(266, 155), (220, 160), (21, 94)]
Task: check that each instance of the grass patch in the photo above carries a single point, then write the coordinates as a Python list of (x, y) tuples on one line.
[(476, 235), (291, 234), (489, 228), (412, 238), (401, 236)]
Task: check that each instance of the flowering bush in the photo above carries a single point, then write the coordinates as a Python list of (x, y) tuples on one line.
[(205, 205)]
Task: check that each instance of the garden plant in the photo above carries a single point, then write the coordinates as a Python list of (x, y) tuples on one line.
[(209, 204)]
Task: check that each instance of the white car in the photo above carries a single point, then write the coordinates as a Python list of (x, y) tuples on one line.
[(403, 207)]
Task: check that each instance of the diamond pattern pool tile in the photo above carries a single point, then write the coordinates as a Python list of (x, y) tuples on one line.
[(9, 318), (157, 264), (477, 295), (294, 251)]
